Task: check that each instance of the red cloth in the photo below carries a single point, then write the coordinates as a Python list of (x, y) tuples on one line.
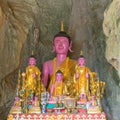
[(82, 110)]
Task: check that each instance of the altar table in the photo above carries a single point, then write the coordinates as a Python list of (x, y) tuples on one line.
[(101, 116)]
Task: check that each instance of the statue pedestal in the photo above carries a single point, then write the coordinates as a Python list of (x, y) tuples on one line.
[(80, 116)]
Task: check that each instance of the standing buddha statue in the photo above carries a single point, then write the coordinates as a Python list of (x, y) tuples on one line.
[(82, 77), (32, 78), (32, 86)]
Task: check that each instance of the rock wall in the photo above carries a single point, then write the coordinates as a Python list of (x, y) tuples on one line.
[(14, 26), (111, 28)]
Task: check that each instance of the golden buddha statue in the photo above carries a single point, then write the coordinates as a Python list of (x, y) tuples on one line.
[(100, 87), (97, 88), (31, 78), (17, 106), (58, 88), (82, 77), (32, 74), (31, 87)]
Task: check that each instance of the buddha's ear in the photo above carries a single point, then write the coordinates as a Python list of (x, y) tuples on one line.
[(53, 50), (70, 47)]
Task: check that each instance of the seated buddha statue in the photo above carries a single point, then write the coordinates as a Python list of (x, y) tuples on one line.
[(32, 82), (61, 45), (82, 77), (58, 88)]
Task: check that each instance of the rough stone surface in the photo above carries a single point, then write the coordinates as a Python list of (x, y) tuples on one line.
[(27, 25), (111, 28)]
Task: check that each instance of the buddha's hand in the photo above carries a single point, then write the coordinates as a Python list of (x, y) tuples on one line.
[(33, 102), (52, 89), (51, 98), (34, 75), (77, 75), (87, 75), (23, 74)]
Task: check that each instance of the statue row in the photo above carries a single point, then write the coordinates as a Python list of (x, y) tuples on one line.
[(61, 76)]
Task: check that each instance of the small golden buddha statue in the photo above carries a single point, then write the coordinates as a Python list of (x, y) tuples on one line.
[(31, 78), (31, 87), (58, 88), (32, 74), (82, 75)]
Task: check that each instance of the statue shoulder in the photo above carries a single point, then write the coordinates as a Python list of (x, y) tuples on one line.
[(72, 62), (48, 63), (47, 66), (37, 69), (87, 69), (27, 68)]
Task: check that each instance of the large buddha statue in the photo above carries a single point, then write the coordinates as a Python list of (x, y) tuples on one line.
[(61, 45)]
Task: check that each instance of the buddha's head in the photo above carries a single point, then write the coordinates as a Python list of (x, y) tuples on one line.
[(32, 60), (81, 59), (62, 42), (59, 76)]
